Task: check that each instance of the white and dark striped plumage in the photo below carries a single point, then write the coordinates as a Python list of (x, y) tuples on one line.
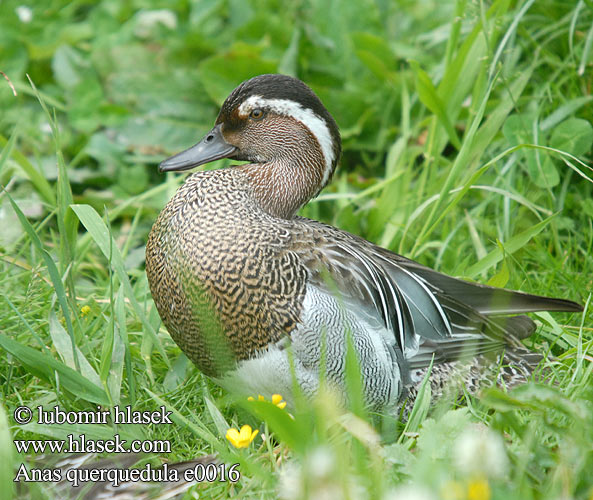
[(240, 280)]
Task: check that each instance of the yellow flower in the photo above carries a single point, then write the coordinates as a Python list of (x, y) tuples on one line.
[(243, 438), (478, 489), (277, 400), (84, 310)]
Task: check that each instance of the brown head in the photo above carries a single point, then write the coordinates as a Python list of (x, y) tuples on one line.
[(278, 125)]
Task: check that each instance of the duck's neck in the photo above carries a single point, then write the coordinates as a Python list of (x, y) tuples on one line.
[(283, 186)]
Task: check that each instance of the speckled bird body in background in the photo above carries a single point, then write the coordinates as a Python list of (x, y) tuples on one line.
[(240, 281)]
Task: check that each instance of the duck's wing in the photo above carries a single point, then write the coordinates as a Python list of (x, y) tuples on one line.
[(430, 314), (400, 300)]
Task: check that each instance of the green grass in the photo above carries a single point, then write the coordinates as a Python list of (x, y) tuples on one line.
[(467, 146)]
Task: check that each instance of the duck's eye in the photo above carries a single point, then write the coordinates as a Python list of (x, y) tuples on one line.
[(256, 114)]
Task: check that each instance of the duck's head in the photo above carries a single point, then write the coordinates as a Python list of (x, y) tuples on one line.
[(277, 123)]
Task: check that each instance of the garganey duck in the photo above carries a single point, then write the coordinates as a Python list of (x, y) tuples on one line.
[(249, 290)]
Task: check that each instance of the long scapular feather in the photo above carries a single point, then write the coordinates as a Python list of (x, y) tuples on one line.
[(491, 300), (429, 319)]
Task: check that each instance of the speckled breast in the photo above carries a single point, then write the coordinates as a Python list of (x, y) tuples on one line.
[(221, 272)]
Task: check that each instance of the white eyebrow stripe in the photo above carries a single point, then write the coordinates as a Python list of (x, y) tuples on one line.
[(307, 117)]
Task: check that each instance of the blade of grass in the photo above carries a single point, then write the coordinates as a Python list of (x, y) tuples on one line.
[(288, 430), (53, 273), (61, 342), (353, 379), (564, 111), (585, 57), (49, 369), (98, 230), (121, 354), (198, 428), (219, 421), (23, 88), (67, 223), (37, 179), (26, 323), (511, 246), (428, 95), (109, 337), (455, 31), (474, 144), (8, 146), (421, 405), (508, 34)]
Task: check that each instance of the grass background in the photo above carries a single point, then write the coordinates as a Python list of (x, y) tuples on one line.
[(467, 146)]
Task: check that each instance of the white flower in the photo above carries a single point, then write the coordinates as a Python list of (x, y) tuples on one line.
[(319, 477), (480, 452), (321, 463), (147, 20), (24, 13), (290, 484)]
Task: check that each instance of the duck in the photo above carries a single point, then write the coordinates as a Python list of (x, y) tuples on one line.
[(259, 298)]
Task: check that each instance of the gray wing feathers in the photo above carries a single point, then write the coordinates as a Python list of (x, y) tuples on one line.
[(405, 304), (429, 318), (487, 299), (428, 313)]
